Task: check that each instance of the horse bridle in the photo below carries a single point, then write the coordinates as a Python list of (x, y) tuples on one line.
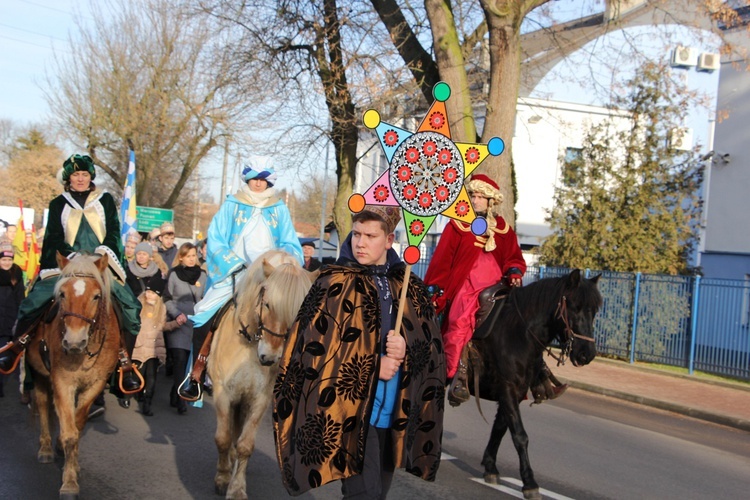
[(94, 324), (258, 335), (561, 313)]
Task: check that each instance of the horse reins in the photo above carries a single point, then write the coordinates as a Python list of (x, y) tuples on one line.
[(258, 335), (94, 324), (561, 312)]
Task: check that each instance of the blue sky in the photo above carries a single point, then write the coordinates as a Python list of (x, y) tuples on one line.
[(32, 31)]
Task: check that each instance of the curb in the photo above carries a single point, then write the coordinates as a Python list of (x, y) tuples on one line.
[(737, 423)]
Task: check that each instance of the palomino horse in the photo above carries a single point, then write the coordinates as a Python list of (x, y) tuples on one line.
[(243, 364), (531, 318), (80, 348)]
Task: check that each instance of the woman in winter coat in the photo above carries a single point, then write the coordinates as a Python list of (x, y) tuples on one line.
[(150, 350), (186, 284), (11, 295), (146, 281)]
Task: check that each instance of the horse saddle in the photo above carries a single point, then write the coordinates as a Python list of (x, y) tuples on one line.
[(491, 301)]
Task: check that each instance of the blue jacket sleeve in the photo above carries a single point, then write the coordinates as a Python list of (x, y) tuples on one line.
[(220, 259)]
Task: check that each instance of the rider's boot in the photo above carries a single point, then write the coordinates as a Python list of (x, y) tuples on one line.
[(190, 389), (458, 391), (546, 386), (130, 379)]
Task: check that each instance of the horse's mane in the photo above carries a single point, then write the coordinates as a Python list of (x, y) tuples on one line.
[(544, 295), (84, 266), (280, 286)]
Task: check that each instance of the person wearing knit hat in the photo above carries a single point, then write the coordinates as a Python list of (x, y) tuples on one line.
[(167, 248), (131, 241), (83, 219), (311, 263), (465, 264), (349, 316), (11, 295), (250, 222)]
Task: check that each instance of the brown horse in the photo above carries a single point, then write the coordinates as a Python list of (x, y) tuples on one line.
[(245, 352), (81, 344)]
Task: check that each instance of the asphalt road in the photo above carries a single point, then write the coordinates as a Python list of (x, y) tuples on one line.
[(581, 446)]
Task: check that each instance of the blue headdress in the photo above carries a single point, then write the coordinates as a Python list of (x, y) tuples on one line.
[(267, 173)]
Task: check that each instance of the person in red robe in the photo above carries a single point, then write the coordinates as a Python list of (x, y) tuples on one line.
[(465, 264)]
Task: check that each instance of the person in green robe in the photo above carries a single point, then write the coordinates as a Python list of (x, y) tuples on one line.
[(83, 219)]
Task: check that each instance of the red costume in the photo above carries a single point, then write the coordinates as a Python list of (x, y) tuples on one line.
[(464, 264)]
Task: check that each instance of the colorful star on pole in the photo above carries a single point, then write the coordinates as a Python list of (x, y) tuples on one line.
[(426, 172)]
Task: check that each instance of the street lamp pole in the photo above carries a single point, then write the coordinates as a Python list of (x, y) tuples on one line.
[(323, 209)]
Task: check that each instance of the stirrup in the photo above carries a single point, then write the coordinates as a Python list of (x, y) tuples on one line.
[(127, 367), (13, 348), (190, 396)]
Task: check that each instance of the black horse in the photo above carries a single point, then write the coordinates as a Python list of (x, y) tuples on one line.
[(531, 318)]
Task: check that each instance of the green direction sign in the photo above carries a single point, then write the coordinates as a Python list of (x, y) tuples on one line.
[(150, 218)]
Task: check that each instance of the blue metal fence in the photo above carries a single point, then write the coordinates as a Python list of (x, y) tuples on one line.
[(686, 321)]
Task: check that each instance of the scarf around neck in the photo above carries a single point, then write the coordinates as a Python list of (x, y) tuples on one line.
[(262, 199), (188, 274), (143, 272)]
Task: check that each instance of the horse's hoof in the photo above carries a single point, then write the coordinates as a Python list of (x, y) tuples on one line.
[(532, 494), (46, 457), (492, 478), (68, 495), (221, 489)]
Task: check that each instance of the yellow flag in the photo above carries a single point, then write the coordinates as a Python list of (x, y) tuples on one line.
[(26, 251)]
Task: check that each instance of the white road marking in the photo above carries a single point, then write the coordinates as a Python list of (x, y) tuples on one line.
[(80, 287), (445, 456), (517, 493)]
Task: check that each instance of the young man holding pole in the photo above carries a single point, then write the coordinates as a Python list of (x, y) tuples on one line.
[(359, 392)]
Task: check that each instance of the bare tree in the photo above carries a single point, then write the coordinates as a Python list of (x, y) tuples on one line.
[(328, 59), (155, 78), (459, 30)]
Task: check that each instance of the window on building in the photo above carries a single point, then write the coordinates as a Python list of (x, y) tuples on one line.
[(571, 165)]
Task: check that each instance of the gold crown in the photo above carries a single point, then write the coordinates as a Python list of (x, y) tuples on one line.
[(390, 215)]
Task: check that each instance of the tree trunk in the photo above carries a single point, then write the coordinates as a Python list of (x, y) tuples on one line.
[(450, 61), (505, 71)]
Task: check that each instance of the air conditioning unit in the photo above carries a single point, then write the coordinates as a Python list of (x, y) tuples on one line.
[(709, 62), (680, 139), (684, 57)]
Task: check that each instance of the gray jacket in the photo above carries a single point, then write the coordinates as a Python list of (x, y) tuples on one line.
[(180, 297)]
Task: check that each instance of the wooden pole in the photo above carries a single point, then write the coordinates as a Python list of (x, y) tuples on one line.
[(402, 299)]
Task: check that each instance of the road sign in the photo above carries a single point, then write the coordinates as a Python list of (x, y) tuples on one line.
[(150, 218)]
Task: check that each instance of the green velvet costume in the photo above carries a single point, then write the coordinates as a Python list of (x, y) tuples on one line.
[(75, 228)]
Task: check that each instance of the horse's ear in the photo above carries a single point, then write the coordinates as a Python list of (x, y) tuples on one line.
[(574, 278), (267, 268), (595, 279), (62, 261), (314, 274), (102, 263)]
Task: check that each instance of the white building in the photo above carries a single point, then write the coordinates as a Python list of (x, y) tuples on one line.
[(546, 131)]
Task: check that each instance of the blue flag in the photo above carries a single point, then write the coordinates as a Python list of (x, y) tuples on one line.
[(127, 209)]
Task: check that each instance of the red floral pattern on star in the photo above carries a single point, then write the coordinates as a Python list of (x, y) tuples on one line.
[(442, 193), (450, 175), (412, 155), (437, 120), (444, 156), (404, 173), (425, 200), (410, 192), (380, 193), (390, 138), (416, 227), (462, 208), (429, 148), (472, 155)]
